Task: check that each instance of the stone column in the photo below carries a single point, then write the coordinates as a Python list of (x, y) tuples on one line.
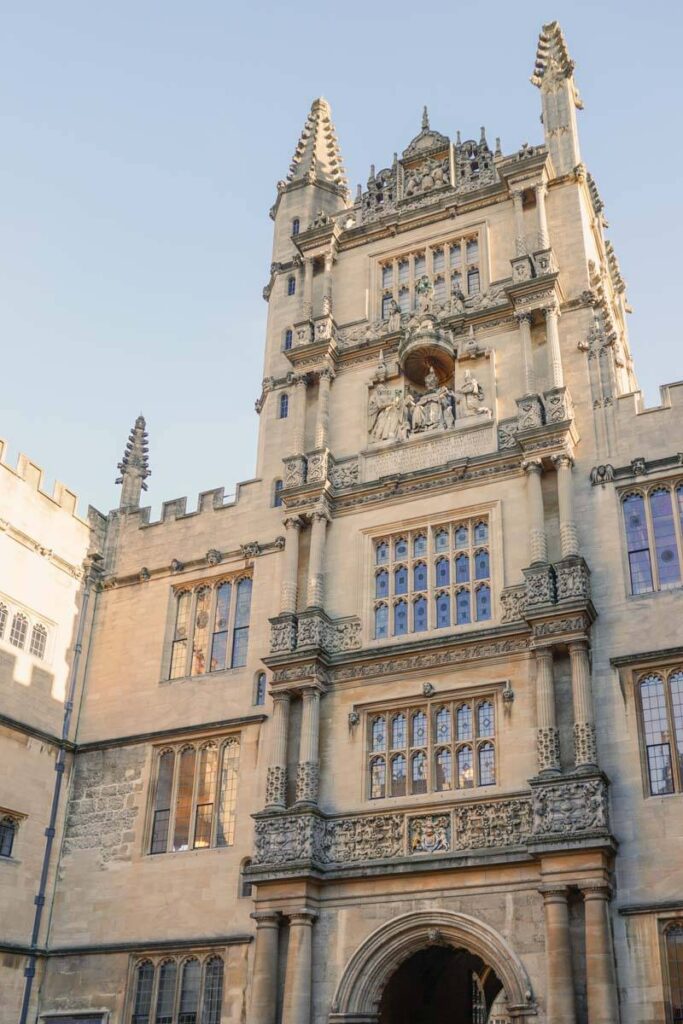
[(569, 538), (316, 566), (322, 427), (308, 769), (601, 982), (264, 978), (558, 952), (538, 543), (547, 735), (524, 321), (552, 315), (543, 236), (520, 238), (296, 1007), (288, 586), (585, 753), (308, 288), (299, 431), (276, 779), (327, 284)]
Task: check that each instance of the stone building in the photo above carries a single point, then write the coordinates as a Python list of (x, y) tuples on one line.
[(395, 733)]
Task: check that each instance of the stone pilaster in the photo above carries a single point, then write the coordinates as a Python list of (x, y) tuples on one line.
[(296, 1007), (316, 567), (543, 236), (569, 538), (601, 983), (560, 983), (288, 585), (327, 284), (538, 544), (276, 779), (547, 735), (308, 288), (299, 426), (524, 322), (263, 1003), (521, 248), (308, 769), (585, 753), (552, 316), (322, 427)]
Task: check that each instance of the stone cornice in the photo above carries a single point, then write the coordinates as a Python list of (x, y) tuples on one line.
[(179, 732), (142, 946)]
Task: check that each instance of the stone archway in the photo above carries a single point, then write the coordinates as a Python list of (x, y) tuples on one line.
[(360, 989)]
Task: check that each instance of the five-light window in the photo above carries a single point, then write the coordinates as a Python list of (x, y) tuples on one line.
[(453, 268), (660, 701), (195, 796), (211, 630), (178, 991), (653, 521), (434, 747)]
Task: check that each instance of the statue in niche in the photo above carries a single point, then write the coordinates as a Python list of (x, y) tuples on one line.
[(424, 291), (396, 416), (471, 396), (386, 413), (435, 410), (394, 316)]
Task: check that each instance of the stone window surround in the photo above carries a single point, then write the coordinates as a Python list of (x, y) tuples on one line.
[(179, 955), (34, 619), (467, 694), (645, 489), (490, 509), (440, 239), (18, 818), (664, 669)]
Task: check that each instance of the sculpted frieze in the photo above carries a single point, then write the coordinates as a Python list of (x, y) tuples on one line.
[(430, 833), (564, 808), (492, 824)]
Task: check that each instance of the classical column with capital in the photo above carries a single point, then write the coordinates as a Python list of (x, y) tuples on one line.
[(601, 981), (263, 1002), (524, 322), (296, 1006), (316, 567), (322, 427), (288, 585), (560, 983), (276, 778), (569, 538), (538, 543), (585, 752), (543, 236), (308, 769), (547, 734), (552, 315)]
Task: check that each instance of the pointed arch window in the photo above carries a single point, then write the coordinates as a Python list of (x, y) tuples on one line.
[(382, 583), (420, 615), (144, 983), (379, 736), (381, 621), (673, 943), (178, 991), (260, 689), (8, 831), (296, 226), (189, 992), (38, 641), (443, 264), (378, 778), (278, 487), (400, 618), (660, 700), (213, 988), (168, 973), (212, 623), (162, 804), (653, 527), (291, 285), (17, 634), (289, 339), (283, 406), (444, 769)]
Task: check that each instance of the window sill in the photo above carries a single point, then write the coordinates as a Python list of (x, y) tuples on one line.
[(10, 860), (436, 632), (424, 801), (218, 674), (655, 593)]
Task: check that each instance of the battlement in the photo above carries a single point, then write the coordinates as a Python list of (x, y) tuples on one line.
[(174, 509), (633, 403), (33, 475)]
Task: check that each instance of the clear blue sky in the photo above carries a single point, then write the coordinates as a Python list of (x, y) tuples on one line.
[(140, 147)]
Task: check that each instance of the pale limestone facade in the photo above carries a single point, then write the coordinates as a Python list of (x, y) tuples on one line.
[(447, 373)]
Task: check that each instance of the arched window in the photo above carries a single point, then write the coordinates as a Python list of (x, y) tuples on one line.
[(289, 339), (472, 282), (3, 619), (387, 302), (381, 621), (666, 552), (246, 886), (283, 406), (8, 830), (462, 569), (188, 1007), (227, 796), (400, 618), (444, 769), (419, 738), (637, 544), (144, 983), (483, 603), (658, 735), (441, 540), (462, 607), (166, 992), (398, 731), (17, 634), (162, 803), (277, 493), (379, 736), (398, 775), (443, 725), (180, 635), (219, 642), (462, 537), (260, 689), (240, 635), (381, 553), (420, 576), (465, 768), (382, 583), (420, 615), (443, 572), (463, 722), (481, 532), (487, 764), (206, 794), (296, 224), (485, 719), (443, 610), (378, 778), (183, 808), (200, 636), (673, 938), (419, 545), (401, 580), (481, 565), (419, 772), (400, 548), (213, 991), (38, 641), (291, 285)]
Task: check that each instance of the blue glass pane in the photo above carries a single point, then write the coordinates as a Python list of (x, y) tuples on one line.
[(461, 537), (443, 572), (382, 584), (398, 776), (382, 553), (485, 720), (378, 734), (487, 765), (386, 306), (419, 729), (398, 731), (420, 615), (420, 577), (462, 569), (634, 520), (443, 611), (401, 581), (400, 618), (483, 603), (481, 533), (420, 545), (441, 540), (381, 622), (400, 548), (665, 538), (462, 606), (481, 565)]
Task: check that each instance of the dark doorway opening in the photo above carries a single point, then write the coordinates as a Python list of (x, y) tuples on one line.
[(440, 985)]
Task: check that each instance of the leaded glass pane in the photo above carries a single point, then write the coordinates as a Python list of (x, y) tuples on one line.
[(162, 803), (481, 565), (485, 719), (637, 544), (404, 300), (420, 615), (443, 610), (674, 957), (225, 828), (456, 283), (462, 569), (462, 607), (401, 580), (189, 993), (183, 810), (420, 576), (401, 548), (201, 631), (213, 991), (17, 634), (439, 289), (381, 622), (481, 532), (403, 272), (441, 540), (179, 652), (166, 993), (8, 830), (420, 265), (386, 306), (461, 537), (219, 644), (382, 584), (381, 553), (144, 983), (456, 256), (379, 736), (419, 773), (443, 725), (472, 250), (473, 282), (463, 721), (206, 788), (420, 544), (465, 770), (398, 775), (657, 736), (387, 276), (483, 603), (676, 684), (487, 765), (438, 260), (666, 551), (260, 694), (443, 572), (378, 775), (400, 618), (419, 729), (444, 770), (38, 641), (398, 731)]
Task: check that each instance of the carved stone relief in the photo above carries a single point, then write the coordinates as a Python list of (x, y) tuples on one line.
[(563, 808), (492, 824), (430, 833)]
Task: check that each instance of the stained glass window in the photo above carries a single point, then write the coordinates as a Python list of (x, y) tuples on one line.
[(382, 584), (382, 553), (464, 722), (400, 618), (443, 725), (420, 576), (291, 286), (666, 552), (379, 735), (487, 765), (204, 801), (162, 805), (401, 580), (296, 224), (443, 610), (400, 548), (398, 731), (661, 711), (483, 603), (462, 569), (462, 604), (461, 537), (443, 573), (179, 650), (240, 638), (637, 544), (227, 799), (200, 635), (420, 615), (419, 544), (381, 621), (283, 406)]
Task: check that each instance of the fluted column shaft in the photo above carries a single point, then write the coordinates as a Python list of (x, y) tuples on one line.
[(601, 982), (288, 586), (276, 781), (327, 284), (299, 432), (585, 753), (547, 736), (552, 315), (296, 1006), (308, 770), (263, 1002), (538, 543), (560, 982), (569, 538), (524, 321), (308, 288), (543, 235), (322, 427), (520, 237), (316, 567)]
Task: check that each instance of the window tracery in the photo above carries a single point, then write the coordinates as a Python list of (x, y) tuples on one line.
[(653, 525), (452, 267), (414, 750), (211, 627), (660, 702), (178, 990)]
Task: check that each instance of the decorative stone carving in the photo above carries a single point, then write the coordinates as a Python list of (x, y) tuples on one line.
[(602, 475), (638, 467), (585, 749), (287, 838), (540, 586), (548, 749), (564, 808), (559, 627), (522, 265), (310, 631), (573, 580), (317, 467), (507, 434), (144, 574), (430, 833), (434, 448), (334, 636), (428, 689), (372, 837), (250, 550), (558, 405), (513, 603), (529, 412), (295, 471), (276, 786), (354, 719), (213, 556), (471, 396), (492, 824), (282, 635), (307, 776), (345, 474), (177, 565)]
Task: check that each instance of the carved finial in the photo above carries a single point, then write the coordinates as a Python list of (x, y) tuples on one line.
[(482, 136), (317, 157), (499, 151), (425, 119), (134, 466), (458, 140)]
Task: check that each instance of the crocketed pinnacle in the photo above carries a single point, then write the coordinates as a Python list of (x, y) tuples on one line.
[(552, 54), (317, 157), (134, 466)]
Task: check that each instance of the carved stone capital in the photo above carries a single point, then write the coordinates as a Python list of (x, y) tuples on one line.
[(302, 918), (293, 523), (532, 466), (597, 890), (266, 918), (562, 461), (523, 318)]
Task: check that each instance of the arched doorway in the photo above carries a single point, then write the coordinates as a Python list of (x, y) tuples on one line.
[(440, 984)]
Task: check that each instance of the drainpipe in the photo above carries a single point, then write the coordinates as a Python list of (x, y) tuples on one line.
[(30, 970)]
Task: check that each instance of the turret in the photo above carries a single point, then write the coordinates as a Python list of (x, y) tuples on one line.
[(134, 466), (554, 76)]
